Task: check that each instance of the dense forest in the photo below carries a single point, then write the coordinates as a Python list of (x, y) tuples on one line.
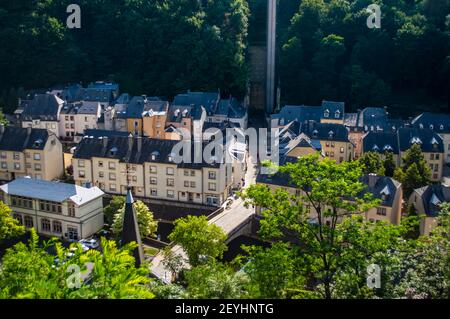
[(162, 47), (328, 52), (155, 47)]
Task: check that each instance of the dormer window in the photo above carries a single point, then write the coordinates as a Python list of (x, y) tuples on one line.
[(171, 157), (431, 126), (385, 192), (435, 200), (375, 148), (421, 126), (113, 151), (441, 127), (315, 132), (154, 156), (337, 114), (330, 134), (326, 114)]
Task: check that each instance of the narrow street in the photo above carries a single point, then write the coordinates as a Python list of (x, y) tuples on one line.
[(228, 220)]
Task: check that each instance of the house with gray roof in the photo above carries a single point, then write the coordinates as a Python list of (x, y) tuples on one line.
[(402, 140), (427, 202), (55, 209), (153, 169), (43, 112), (29, 152), (438, 123)]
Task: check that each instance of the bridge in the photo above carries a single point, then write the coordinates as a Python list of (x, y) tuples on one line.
[(236, 220)]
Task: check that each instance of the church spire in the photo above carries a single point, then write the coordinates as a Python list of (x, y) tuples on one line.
[(130, 230)]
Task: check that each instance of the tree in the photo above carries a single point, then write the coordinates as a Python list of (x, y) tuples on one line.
[(215, 280), (147, 225), (9, 226), (114, 206), (30, 271), (420, 268), (415, 171), (389, 164), (372, 163), (312, 216), (272, 271), (200, 240)]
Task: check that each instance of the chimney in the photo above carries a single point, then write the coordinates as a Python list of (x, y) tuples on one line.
[(139, 144), (372, 179), (105, 141), (29, 130), (130, 142), (2, 129)]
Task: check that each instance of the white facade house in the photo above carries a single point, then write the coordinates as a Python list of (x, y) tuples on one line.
[(55, 209)]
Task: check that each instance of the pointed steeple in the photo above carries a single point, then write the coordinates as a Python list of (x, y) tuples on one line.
[(130, 230)]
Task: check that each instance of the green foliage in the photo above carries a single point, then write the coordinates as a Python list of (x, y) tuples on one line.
[(272, 271), (200, 240), (415, 171), (30, 271), (117, 203), (313, 218), (215, 280), (328, 52), (389, 164), (9, 227), (147, 224), (181, 44), (373, 163)]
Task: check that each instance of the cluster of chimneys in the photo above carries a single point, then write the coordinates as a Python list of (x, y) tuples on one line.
[(130, 142), (2, 129)]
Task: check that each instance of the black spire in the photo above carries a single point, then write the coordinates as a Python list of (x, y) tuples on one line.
[(130, 230)]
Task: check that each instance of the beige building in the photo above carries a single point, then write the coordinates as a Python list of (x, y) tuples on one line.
[(29, 152), (55, 209), (427, 202), (400, 142), (333, 138), (42, 112), (438, 123), (150, 168), (387, 190)]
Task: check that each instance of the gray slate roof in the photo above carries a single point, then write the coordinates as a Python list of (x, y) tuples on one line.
[(379, 185), (430, 193), (51, 191), (118, 147), (44, 107), (438, 122), (17, 139)]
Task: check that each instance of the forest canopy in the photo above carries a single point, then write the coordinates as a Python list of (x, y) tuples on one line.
[(157, 47), (326, 51), (164, 47)]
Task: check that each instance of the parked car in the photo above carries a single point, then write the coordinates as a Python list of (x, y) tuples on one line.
[(89, 244)]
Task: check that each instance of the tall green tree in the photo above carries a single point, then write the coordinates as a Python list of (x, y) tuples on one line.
[(415, 172), (147, 224), (372, 163), (9, 226), (312, 217), (389, 164), (200, 240), (115, 205)]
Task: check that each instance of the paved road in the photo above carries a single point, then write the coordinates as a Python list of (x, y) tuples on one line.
[(228, 220)]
